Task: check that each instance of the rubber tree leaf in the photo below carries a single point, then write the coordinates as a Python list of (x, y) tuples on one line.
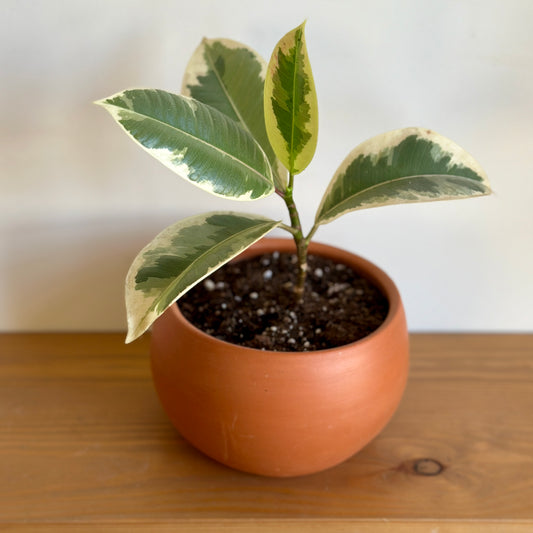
[(182, 255), (230, 77), (402, 166), (195, 141), (291, 110)]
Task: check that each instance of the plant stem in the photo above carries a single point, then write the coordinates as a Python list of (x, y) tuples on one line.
[(301, 242)]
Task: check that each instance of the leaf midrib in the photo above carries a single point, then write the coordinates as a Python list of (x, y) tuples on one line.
[(229, 98), (382, 184), (294, 77)]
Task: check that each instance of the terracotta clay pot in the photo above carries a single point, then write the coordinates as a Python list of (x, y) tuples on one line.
[(282, 413)]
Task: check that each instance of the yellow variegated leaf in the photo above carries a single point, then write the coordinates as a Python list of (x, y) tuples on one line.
[(194, 140), (291, 110), (230, 77), (402, 166), (182, 255)]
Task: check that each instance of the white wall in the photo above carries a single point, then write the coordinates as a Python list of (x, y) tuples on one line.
[(78, 199)]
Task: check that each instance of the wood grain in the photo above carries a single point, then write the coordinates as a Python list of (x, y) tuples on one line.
[(84, 445)]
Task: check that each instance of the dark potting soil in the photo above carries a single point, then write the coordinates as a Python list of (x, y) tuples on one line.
[(252, 303)]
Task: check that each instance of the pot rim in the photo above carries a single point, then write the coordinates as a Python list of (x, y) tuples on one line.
[(378, 276)]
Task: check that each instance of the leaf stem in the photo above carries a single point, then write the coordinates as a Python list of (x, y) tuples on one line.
[(311, 234), (290, 229)]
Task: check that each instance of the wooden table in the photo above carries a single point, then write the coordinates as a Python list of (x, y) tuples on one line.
[(85, 446)]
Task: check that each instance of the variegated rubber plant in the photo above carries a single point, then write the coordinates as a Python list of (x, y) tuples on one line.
[(242, 129)]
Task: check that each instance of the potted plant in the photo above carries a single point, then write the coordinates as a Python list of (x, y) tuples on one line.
[(243, 130)]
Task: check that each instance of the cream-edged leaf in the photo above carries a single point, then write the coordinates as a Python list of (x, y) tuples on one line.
[(194, 140), (291, 109), (402, 166), (182, 255), (229, 76)]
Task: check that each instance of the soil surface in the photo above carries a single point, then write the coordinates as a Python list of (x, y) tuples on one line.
[(251, 303)]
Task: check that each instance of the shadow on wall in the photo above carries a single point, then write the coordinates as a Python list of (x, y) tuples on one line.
[(69, 275)]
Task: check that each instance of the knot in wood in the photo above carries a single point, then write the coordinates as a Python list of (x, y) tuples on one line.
[(427, 467)]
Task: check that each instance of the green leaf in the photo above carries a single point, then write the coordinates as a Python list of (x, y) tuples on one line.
[(182, 255), (195, 141), (402, 166), (291, 110), (229, 76)]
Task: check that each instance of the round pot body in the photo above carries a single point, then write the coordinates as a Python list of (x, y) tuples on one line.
[(282, 413)]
